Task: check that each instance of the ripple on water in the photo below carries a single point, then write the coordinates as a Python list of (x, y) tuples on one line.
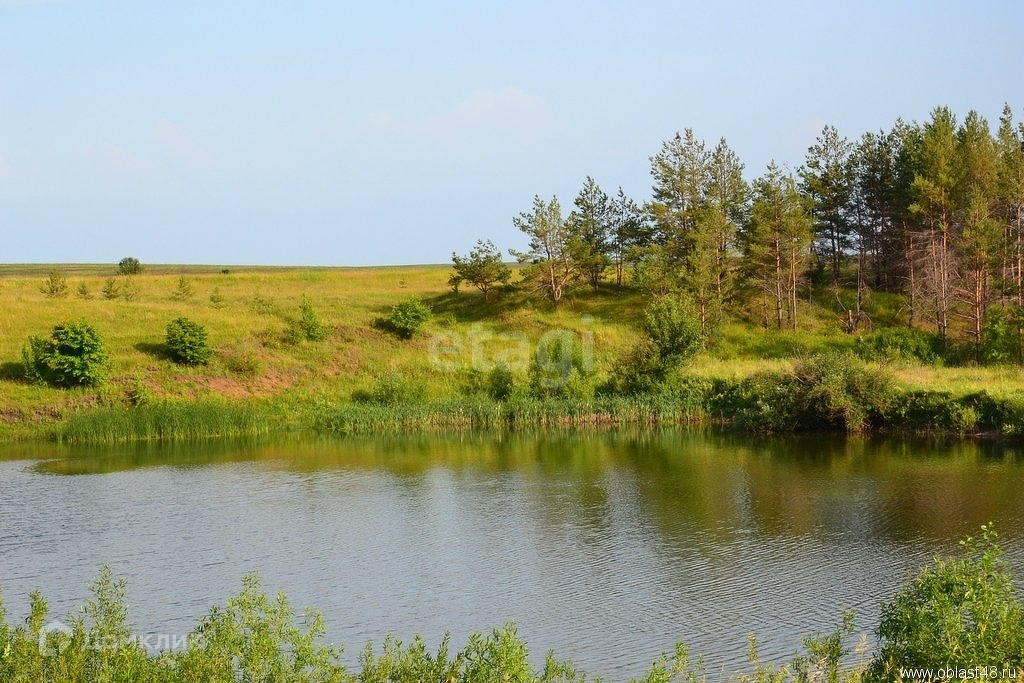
[(608, 560)]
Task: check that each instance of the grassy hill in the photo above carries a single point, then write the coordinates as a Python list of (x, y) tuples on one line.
[(247, 310)]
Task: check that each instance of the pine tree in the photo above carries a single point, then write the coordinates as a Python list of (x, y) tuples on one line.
[(1011, 203), (631, 233), (482, 268), (827, 178), (777, 243), (978, 240), (591, 224), (699, 199), (934, 190), (680, 173), (551, 266), (726, 204)]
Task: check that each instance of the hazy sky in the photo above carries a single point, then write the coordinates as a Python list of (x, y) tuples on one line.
[(343, 133)]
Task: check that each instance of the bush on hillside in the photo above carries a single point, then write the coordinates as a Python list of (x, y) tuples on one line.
[(408, 317), (307, 327), (561, 368), (900, 344), (187, 342), (73, 355), (56, 285), (672, 335)]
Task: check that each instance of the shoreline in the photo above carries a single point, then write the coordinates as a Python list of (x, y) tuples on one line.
[(911, 413)]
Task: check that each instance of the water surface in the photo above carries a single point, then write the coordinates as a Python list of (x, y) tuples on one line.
[(607, 548)]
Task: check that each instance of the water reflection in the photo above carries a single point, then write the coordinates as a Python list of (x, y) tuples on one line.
[(607, 547), (899, 489)]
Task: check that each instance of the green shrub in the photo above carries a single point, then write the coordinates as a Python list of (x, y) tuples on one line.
[(672, 335), (825, 654), (56, 286), (964, 418), (310, 322), (257, 638), (307, 327), (73, 355), (184, 291), (921, 410), (641, 370), (408, 317), (187, 342), (900, 344), (764, 402), (392, 388), (836, 390), (941, 410), (217, 299), (83, 292), (559, 368), (500, 383), (96, 644), (827, 391), (111, 289), (138, 394), (673, 328), (1003, 335), (129, 265), (242, 363), (956, 613)]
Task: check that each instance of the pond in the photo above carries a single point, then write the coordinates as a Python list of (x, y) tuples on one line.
[(605, 547)]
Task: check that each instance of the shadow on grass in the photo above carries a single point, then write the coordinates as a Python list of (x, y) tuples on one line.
[(608, 302), (158, 351), (384, 325), (790, 345), (624, 305), (14, 372), (469, 306)]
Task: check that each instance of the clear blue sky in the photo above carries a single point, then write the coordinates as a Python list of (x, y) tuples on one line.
[(343, 133)]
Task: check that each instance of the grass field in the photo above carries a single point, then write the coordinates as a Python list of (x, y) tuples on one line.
[(246, 312), (246, 325)]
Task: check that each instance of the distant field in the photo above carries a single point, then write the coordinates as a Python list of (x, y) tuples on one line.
[(107, 269)]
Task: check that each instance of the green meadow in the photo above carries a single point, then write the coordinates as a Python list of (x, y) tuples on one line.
[(363, 376)]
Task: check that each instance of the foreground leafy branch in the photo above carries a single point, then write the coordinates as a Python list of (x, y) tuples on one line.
[(955, 613)]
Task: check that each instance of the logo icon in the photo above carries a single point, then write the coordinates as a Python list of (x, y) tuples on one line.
[(62, 637)]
